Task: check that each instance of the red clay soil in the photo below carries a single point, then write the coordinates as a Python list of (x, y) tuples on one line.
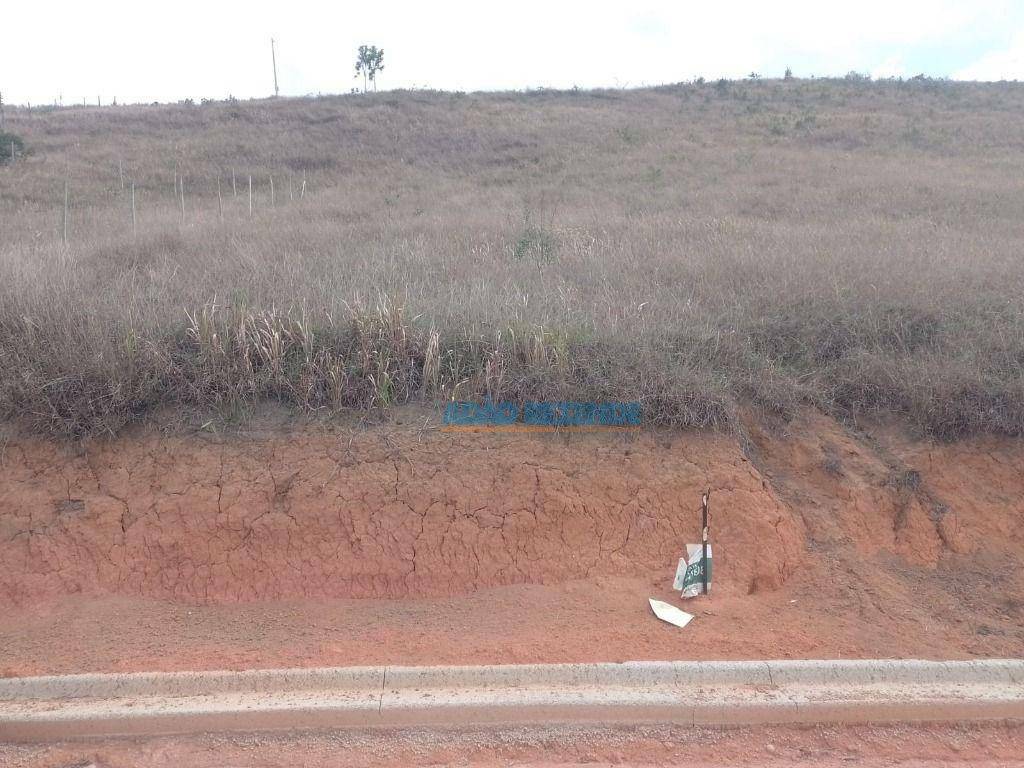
[(377, 514), (317, 546)]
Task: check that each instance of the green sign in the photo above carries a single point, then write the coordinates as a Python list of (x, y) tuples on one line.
[(694, 575)]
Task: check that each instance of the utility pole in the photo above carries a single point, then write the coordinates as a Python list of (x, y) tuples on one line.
[(273, 59)]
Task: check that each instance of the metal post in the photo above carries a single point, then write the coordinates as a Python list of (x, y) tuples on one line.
[(704, 539)]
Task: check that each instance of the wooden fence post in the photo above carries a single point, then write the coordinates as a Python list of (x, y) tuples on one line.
[(64, 236)]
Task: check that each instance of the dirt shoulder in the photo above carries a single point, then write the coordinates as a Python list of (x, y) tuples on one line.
[(976, 745)]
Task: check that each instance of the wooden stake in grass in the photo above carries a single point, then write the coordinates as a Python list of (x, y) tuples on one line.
[(182, 199), (120, 172), (234, 189), (302, 192), (291, 193), (271, 191), (220, 201), (64, 237), (250, 196), (135, 229)]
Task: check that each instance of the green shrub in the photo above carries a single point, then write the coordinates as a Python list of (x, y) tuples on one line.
[(535, 243), (11, 146), (629, 135)]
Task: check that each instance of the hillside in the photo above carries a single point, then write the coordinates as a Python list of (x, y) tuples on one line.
[(850, 246)]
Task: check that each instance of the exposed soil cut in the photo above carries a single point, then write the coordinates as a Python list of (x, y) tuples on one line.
[(397, 545), (378, 514)]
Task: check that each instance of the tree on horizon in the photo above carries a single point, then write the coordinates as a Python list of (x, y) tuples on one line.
[(369, 62)]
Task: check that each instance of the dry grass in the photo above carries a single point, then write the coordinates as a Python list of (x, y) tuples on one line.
[(854, 246)]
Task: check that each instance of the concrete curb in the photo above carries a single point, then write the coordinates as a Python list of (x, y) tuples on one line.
[(706, 693)]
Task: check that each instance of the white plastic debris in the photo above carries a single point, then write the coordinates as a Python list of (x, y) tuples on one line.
[(670, 613)]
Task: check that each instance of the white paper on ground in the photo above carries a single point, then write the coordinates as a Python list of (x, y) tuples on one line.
[(669, 613)]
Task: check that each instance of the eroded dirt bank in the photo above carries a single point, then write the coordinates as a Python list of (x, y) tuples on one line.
[(376, 514), (391, 545)]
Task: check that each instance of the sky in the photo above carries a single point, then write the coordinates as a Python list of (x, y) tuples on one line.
[(140, 51)]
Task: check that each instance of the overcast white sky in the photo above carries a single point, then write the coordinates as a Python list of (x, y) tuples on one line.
[(166, 51)]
